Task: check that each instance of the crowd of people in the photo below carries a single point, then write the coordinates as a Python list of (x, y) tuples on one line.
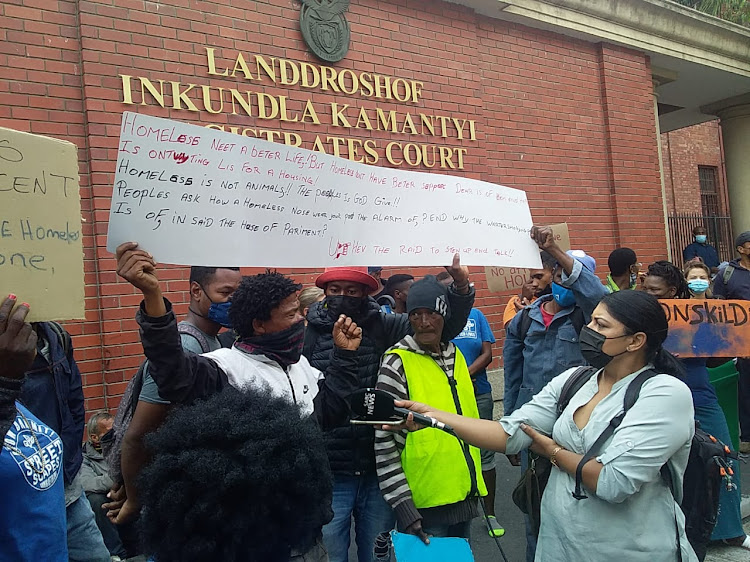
[(234, 438)]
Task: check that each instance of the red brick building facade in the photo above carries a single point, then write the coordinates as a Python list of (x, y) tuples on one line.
[(571, 122), (689, 155)]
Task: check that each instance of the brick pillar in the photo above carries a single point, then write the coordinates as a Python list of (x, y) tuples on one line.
[(631, 137)]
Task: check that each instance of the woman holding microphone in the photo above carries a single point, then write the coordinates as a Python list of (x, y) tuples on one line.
[(630, 512)]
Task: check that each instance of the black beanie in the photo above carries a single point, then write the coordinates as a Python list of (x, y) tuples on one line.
[(743, 238), (429, 293)]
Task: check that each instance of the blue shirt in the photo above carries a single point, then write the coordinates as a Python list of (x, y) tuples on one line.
[(469, 341), (32, 518), (696, 377), (706, 252)]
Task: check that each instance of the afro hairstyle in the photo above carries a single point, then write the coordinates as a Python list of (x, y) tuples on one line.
[(241, 476), (256, 297)]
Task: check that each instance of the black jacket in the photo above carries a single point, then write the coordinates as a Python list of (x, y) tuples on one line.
[(53, 392), (351, 447), (10, 390), (183, 376)]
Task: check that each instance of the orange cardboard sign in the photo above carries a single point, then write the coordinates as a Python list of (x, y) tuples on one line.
[(707, 327)]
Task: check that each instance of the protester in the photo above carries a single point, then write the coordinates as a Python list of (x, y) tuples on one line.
[(376, 272), (428, 478), (701, 249), (665, 281), (53, 392), (733, 282), (97, 482), (208, 312), (630, 511), (397, 288), (265, 314), (32, 518), (351, 448), (537, 285), (542, 341), (308, 296), (623, 270), (241, 476), (475, 344), (698, 277)]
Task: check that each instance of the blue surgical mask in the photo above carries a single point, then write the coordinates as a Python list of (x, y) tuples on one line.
[(698, 286), (219, 312), (564, 297), (700, 238)]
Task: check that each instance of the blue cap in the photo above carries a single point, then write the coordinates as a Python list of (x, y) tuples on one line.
[(374, 269), (587, 261)]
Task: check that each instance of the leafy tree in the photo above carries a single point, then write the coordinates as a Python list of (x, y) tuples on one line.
[(736, 11)]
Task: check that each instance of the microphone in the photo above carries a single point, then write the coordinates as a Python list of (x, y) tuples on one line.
[(373, 404)]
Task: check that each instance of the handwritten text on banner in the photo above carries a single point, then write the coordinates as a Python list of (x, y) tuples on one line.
[(197, 196), (41, 251), (707, 327)]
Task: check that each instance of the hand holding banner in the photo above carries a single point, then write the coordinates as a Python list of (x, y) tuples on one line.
[(197, 196), (502, 279)]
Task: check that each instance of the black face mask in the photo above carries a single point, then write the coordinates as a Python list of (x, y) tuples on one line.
[(591, 343), (284, 347), (353, 307)]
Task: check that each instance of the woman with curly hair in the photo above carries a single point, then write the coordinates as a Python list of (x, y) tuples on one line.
[(242, 476)]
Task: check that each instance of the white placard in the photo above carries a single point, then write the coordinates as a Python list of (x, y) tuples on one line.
[(197, 196)]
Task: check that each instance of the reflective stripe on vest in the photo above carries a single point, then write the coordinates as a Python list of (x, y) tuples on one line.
[(433, 461)]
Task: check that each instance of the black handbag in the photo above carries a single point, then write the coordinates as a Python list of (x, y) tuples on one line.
[(527, 494)]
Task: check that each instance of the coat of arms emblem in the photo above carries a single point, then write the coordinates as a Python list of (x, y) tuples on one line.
[(324, 28)]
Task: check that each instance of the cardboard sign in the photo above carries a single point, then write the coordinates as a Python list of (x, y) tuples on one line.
[(197, 196), (41, 251), (503, 279), (707, 327)]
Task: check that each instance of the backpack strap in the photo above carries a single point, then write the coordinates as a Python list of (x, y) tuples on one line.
[(524, 325), (727, 273), (631, 395), (63, 336), (575, 382), (187, 328)]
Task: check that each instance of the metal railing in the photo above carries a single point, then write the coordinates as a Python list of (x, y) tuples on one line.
[(719, 234)]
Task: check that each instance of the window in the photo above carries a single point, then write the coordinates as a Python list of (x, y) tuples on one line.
[(707, 175)]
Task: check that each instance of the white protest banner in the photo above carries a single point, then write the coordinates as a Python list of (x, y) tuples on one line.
[(502, 279), (197, 196), (41, 251)]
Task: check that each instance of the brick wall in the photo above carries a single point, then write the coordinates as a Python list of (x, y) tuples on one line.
[(569, 122), (683, 151)]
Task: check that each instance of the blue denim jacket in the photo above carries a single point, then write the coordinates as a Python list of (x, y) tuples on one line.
[(531, 363)]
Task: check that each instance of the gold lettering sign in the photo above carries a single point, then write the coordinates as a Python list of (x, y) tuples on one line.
[(262, 106)]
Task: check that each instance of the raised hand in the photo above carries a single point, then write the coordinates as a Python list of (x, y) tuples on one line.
[(460, 274), (137, 267), (346, 333), (17, 339), (543, 236)]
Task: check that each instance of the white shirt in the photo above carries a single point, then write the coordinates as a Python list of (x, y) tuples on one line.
[(299, 384)]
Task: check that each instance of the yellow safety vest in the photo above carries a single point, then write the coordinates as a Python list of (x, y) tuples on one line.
[(433, 461)]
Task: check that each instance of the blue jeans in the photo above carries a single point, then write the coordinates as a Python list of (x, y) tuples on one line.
[(85, 543), (359, 496)]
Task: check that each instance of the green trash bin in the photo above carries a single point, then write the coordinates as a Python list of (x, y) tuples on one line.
[(724, 380)]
